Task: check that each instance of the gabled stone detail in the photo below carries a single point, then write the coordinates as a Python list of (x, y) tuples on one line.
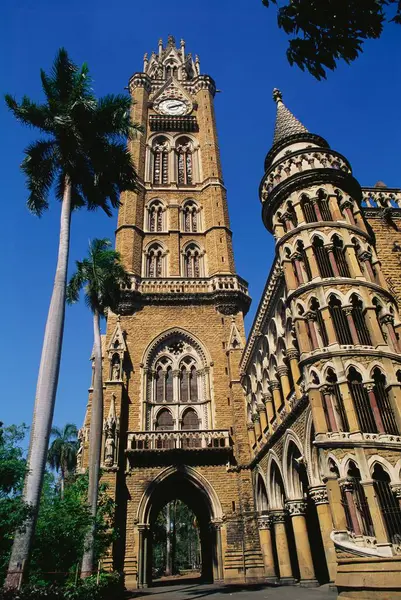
[(172, 89), (235, 341), (115, 353)]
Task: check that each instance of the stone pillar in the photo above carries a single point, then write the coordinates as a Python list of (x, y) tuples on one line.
[(218, 570), (283, 554), (311, 321), (366, 258), (318, 415), (320, 498), (373, 326), (251, 434), (327, 392), (289, 275), (282, 372), (329, 325), (310, 255), (268, 400), (375, 409), (258, 429), (334, 208), (346, 207), (332, 259), (301, 327), (266, 546), (263, 417), (351, 325), (293, 359), (297, 509), (353, 262), (142, 556), (348, 488), (299, 213), (388, 321), (275, 390), (349, 406), (335, 502), (394, 395), (376, 515)]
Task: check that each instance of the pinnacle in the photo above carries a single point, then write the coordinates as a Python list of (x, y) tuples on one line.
[(286, 124)]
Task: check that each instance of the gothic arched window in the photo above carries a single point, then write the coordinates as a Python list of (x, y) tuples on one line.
[(362, 402), (190, 419), (155, 212), (358, 317), (190, 217), (185, 165), (339, 257), (193, 261), (322, 258), (308, 209), (386, 422), (340, 321), (333, 405), (155, 261), (356, 507), (164, 421), (160, 153), (389, 505), (176, 375)]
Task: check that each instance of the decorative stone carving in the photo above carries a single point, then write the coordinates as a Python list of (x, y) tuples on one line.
[(296, 508), (319, 494), (264, 522), (110, 430), (396, 489), (227, 309), (277, 516)]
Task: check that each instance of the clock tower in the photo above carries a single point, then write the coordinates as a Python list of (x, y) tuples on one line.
[(175, 424)]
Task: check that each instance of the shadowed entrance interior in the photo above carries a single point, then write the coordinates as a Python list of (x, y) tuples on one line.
[(179, 486)]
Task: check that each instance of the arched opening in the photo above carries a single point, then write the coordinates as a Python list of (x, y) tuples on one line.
[(179, 491), (389, 505), (298, 481)]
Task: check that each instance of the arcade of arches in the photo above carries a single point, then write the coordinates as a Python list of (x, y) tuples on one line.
[(285, 446)]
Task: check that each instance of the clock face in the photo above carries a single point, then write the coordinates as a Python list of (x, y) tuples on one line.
[(173, 107)]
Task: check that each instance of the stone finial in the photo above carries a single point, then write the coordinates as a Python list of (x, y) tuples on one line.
[(277, 95), (171, 41)]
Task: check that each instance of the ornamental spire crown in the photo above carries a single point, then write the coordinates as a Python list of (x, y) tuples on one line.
[(286, 124), (171, 62)]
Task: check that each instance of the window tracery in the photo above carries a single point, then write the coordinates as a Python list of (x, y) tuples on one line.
[(160, 154), (190, 217), (193, 261), (177, 377), (155, 265), (155, 212)]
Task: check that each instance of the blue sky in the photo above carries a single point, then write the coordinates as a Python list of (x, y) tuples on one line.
[(239, 44)]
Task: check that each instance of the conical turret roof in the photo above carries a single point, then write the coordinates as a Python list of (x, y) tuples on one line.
[(286, 124)]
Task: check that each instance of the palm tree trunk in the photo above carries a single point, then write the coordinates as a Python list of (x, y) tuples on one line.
[(62, 482), (44, 401), (95, 445)]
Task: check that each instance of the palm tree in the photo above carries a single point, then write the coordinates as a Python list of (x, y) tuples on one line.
[(101, 275), (83, 155), (62, 454)]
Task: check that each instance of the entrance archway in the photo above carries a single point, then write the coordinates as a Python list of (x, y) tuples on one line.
[(192, 489)]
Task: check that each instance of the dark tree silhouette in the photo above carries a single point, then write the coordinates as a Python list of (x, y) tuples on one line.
[(326, 31)]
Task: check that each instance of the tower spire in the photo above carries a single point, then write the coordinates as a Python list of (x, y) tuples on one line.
[(286, 124)]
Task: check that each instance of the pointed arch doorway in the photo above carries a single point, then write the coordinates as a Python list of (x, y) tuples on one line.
[(186, 485)]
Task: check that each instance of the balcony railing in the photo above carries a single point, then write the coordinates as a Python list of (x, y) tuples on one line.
[(208, 439), (218, 283)]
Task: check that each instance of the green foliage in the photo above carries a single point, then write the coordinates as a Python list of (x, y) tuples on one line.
[(12, 471), (109, 585), (330, 30), (84, 140), (61, 529), (184, 539), (101, 275)]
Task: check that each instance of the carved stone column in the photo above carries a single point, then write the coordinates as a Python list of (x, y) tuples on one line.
[(264, 524), (263, 417), (311, 322), (275, 390), (319, 496), (375, 409), (293, 359), (297, 509), (282, 372), (348, 488), (327, 392), (335, 502), (333, 262), (396, 489), (318, 415), (215, 526), (268, 400), (142, 556), (278, 518), (351, 325), (379, 526), (251, 434), (388, 321), (349, 406)]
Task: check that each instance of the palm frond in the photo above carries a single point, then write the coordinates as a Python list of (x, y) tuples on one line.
[(56, 432), (70, 431), (75, 284), (39, 166), (63, 75), (31, 114)]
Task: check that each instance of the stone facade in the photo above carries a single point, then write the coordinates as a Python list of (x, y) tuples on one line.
[(322, 371), (287, 447)]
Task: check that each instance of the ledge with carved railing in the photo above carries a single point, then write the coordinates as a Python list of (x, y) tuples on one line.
[(299, 162), (380, 198), (184, 285), (357, 438), (206, 439)]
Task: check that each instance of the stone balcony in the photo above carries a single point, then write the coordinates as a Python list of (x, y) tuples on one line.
[(168, 441)]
